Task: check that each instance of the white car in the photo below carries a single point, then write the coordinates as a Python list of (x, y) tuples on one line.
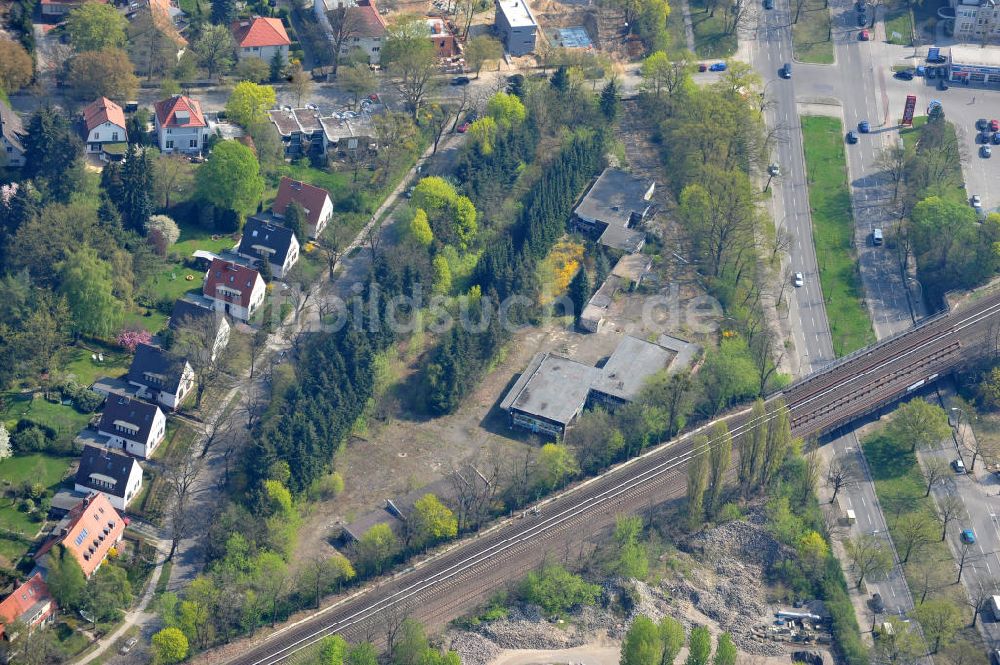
[(958, 465), (977, 201), (797, 279), (774, 170)]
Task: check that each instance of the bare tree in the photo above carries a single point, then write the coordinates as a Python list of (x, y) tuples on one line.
[(978, 598), (217, 432), (256, 347), (197, 340), (345, 25), (933, 470), (949, 509), (373, 234), (961, 562), (928, 576), (181, 478), (838, 476), (475, 487), (913, 531), (868, 556), (437, 117), (393, 618), (892, 162)]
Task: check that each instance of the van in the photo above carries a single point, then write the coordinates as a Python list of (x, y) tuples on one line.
[(851, 517), (877, 237), (995, 606)]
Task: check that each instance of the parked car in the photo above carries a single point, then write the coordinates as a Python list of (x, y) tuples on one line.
[(862, 20), (864, 127), (968, 536), (464, 127), (920, 70), (702, 67), (852, 137), (977, 201), (768, 4), (904, 75), (985, 152), (982, 124), (798, 279), (129, 644), (934, 55), (461, 80), (864, 36), (958, 465), (996, 139), (876, 603), (983, 137), (995, 125), (717, 67)]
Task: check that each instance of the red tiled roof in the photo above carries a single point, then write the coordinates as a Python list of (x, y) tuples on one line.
[(101, 111), (308, 196), (260, 32), (167, 110), (231, 276), (370, 21), (92, 528), (23, 599)]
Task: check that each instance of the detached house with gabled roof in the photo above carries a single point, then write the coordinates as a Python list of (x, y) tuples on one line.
[(180, 125), (133, 425), (263, 241), (11, 137), (88, 532), (30, 603), (261, 38), (160, 376), (314, 200), (104, 124), (234, 289), (113, 474)]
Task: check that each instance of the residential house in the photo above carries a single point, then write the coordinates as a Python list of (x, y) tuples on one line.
[(11, 137), (180, 125), (189, 313), (261, 38), (137, 427), (62, 7), (160, 376), (263, 241), (104, 122), (234, 289), (30, 603), (306, 131), (314, 200), (88, 532), (300, 130), (364, 16), (115, 475), (445, 45), (617, 202)]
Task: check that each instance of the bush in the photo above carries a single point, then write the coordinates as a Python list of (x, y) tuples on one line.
[(28, 423), (846, 634), (84, 399), (556, 590), (29, 440)]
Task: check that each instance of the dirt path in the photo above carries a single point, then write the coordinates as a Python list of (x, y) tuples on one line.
[(595, 653)]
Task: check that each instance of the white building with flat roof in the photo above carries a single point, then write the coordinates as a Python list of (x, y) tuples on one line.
[(516, 25), (974, 64)]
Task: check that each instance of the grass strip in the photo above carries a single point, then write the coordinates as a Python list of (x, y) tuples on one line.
[(833, 233), (811, 34)]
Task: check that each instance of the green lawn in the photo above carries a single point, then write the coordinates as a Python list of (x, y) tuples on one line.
[(833, 232), (899, 20), (677, 40), (710, 40), (86, 370), (35, 468), (63, 418), (811, 34), (911, 135)]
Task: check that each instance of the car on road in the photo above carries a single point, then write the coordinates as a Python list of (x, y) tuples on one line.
[(786, 71), (717, 67), (904, 75), (798, 279), (876, 603), (958, 465), (864, 127), (774, 170), (852, 137), (129, 644), (982, 124), (920, 70), (995, 125), (702, 67), (464, 127), (877, 237), (977, 201), (968, 536), (985, 151), (864, 36), (768, 4), (461, 80)]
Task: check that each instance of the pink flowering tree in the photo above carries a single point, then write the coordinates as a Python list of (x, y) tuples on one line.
[(129, 338)]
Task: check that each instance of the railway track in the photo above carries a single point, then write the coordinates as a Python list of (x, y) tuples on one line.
[(454, 580)]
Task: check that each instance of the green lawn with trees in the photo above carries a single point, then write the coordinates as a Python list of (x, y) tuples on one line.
[(833, 233), (714, 29), (812, 31)]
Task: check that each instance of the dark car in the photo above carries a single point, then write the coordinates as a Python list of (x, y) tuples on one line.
[(786, 71), (852, 137), (768, 4), (860, 6), (982, 124), (864, 127), (876, 603), (461, 80), (996, 139), (862, 20), (702, 67), (904, 75), (942, 85), (983, 137)]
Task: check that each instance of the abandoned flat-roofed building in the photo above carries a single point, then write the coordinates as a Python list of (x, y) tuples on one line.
[(616, 203), (553, 390)]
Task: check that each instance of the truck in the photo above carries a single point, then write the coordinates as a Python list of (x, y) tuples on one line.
[(850, 517)]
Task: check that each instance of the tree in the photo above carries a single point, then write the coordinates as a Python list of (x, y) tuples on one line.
[(65, 578), (432, 520), (949, 509), (933, 469), (362, 654), (699, 646), (899, 645), (104, 73), (673, 637), (94, 26), (725, 650), (5, 449), (180, 479), (249, 102), (231, 179), (300, 83), (16, 67), (357, 80), (52, 152), (868, 556), (631, 559), (276, 67), (720, 457), (333, 649), (979, 598), (345, 25), (556, 590), (153, 51), (642, 644), (134, 200), (466, 10), (728, 375), (409, 55), (579, 291), (480, 49), (919, 423), (170, 645), (556, 465), (838, 476), (215, 48), (940, 619), (108, 593), (166, 227), (697, 479), (223, 12), (507, 110), (609, 101), (813, 552), (86, 282), (376, 547), (912, 532), (254, 70)]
